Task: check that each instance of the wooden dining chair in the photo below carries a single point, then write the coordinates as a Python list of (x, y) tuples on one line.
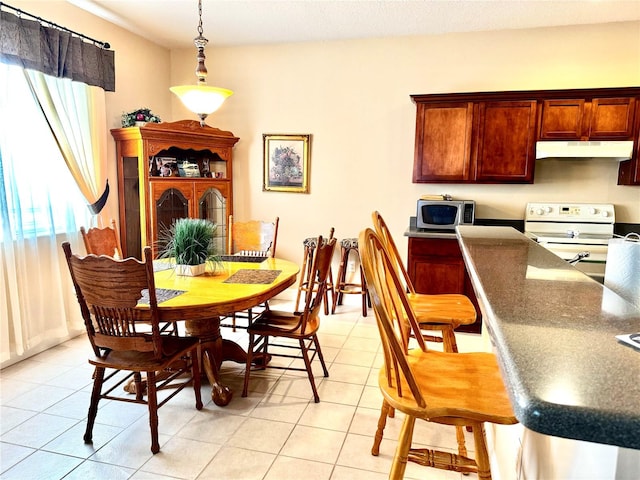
[(439, 313), (306, 272), (442, 312), (301, 326), (250, 238), (106, 241), (102, 241), (109, 292), (253, 237), (456, 389)]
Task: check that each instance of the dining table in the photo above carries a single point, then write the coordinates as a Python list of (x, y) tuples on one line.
[(224, 288)]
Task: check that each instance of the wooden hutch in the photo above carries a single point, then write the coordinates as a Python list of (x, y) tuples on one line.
[(172, 170)]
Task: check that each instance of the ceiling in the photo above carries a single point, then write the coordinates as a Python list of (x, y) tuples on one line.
[(173, 23)]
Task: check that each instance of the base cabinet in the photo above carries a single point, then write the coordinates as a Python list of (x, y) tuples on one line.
[(436, 266), (168, 171)]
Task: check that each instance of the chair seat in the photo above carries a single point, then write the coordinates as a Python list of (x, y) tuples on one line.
[(286, 324), (461, 385), (455, 309), (173, 349)]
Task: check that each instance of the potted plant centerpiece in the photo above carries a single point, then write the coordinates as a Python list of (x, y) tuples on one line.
[(189, 242)]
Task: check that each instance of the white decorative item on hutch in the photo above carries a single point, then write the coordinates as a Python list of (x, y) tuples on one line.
[(158, 181)]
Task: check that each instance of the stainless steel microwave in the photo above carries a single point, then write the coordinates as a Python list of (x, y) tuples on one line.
[(444, 214)]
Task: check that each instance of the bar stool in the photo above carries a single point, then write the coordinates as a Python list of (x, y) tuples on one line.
[(305, 273), (348, 246)]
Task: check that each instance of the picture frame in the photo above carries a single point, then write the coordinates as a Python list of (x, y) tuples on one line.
[(286, 162), (165, 167)]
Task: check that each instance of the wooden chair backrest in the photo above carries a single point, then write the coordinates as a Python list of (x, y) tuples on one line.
[(253, 236), (102, 241), (385, 235), (321, 263), (393, 313), (108, 291)]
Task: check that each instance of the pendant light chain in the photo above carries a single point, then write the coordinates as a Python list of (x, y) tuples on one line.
[(200, 15)]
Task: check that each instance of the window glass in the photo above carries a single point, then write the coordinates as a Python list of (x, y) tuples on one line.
[(38, 195)]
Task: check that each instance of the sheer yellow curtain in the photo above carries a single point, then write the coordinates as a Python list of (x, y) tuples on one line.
[(40, 207), (76, 115)]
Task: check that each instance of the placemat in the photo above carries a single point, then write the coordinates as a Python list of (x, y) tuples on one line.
[(253, 276), (243, 258), (162, 295)]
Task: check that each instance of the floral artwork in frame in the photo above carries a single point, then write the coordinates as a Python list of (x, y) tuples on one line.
[(286, 163)]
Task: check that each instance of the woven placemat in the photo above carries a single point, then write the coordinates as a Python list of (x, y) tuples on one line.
[(162, 295), (253, 276)]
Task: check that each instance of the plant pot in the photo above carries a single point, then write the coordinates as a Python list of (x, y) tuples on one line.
[(140, 124), (191, 270)]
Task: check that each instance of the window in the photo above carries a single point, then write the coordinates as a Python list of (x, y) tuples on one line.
[(38, 195)]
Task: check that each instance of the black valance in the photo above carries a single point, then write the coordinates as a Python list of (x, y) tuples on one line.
[(55, 52)]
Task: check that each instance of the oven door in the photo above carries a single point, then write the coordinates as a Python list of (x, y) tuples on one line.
[(593, 265)]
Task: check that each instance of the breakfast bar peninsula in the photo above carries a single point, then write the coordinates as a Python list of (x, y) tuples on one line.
[(554, 331)]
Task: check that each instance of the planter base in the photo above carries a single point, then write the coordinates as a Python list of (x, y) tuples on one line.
[(191, 270)]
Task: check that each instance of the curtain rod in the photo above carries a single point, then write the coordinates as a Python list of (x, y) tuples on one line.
[(42, 20)]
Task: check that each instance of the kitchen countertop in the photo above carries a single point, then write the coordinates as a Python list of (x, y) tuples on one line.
[(554, 330), (415, 233)]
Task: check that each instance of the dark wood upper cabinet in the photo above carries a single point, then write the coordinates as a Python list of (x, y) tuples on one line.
[(582, 119), (562, 119), (506, 137), (443, 142), (475, 142), (489, 137)]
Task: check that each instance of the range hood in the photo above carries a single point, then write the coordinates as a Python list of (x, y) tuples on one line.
[(615, 150)]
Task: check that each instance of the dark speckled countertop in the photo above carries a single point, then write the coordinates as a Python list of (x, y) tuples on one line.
[(554, 332)]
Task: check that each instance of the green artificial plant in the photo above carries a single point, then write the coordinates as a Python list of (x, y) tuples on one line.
[(189, 241)]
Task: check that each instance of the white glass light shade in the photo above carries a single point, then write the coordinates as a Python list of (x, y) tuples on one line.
[(201, 99)]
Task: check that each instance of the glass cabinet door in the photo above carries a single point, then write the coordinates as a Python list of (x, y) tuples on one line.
[(212, 205), (171, 205)]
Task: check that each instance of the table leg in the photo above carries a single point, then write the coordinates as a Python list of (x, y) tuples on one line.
[(211, 345)]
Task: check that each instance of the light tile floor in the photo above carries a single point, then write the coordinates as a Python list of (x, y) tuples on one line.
[(276, 433)]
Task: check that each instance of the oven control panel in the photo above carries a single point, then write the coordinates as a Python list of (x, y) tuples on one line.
[(571, 212)]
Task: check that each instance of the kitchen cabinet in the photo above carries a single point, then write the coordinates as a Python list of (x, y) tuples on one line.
[(629, 170), (475, 142), (588, 119), (149, 202), (443, 142), (435, 266), (506, 142), (489, 137)]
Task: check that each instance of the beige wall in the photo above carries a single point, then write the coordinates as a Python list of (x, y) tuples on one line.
[(353, 97)]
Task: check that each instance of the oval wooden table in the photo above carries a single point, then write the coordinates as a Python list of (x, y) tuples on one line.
[(207, 297)]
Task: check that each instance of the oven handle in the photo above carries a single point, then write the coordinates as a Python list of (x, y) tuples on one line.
[(579, 256)]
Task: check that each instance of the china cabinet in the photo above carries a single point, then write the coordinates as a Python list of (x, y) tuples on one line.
[(172, 170)]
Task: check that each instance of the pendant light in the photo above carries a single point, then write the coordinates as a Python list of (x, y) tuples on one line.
[(201, 99)]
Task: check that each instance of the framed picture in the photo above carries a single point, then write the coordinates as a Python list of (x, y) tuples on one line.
[(166, 167), (286, 163)]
